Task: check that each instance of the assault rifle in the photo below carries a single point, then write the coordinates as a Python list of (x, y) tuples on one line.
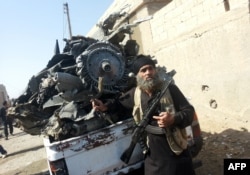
[(148, 114)]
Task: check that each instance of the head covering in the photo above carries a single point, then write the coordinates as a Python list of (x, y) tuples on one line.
[(141, 61)]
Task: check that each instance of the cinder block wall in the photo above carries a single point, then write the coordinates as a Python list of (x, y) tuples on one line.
[(209, 45), (207, 42)]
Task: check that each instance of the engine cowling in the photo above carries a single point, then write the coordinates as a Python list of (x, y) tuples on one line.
[(102, 59)]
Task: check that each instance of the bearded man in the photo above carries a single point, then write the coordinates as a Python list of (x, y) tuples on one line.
[(160, 157)]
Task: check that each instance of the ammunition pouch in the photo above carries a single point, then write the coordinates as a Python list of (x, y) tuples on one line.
[(177, 139), (175, 136)]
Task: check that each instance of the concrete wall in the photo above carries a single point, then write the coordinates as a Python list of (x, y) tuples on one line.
[(207, 42)]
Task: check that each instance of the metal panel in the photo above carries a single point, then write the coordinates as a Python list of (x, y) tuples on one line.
[(97, 152)]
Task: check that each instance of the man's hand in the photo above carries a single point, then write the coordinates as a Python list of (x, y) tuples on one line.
[(98, 105), (164, 119)]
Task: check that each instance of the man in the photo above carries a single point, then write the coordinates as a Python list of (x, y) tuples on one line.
[(161, 158), (6, 120)]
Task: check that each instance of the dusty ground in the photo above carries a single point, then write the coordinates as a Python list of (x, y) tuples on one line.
[(223, 138), (26, 154)]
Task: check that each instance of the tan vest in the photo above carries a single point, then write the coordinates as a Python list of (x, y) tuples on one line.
[(176, 137)]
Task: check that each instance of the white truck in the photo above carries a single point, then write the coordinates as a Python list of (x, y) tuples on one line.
[(95, 153), (98, 152)]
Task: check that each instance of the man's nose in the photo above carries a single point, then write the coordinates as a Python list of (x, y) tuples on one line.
[(149, 71)]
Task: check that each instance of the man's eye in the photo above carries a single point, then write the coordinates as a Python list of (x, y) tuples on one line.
[(146, 69)]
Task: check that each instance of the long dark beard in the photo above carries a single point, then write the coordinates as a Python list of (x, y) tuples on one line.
[(149, 85)]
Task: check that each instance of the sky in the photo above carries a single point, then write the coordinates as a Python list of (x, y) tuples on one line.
[(29, 30)]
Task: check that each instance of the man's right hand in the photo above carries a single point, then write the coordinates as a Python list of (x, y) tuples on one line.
[(164, 119)]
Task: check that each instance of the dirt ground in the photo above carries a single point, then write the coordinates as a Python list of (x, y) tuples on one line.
[(223, 138), (26, 154)]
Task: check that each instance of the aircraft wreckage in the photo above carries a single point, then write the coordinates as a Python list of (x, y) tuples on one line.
[(56, 102)]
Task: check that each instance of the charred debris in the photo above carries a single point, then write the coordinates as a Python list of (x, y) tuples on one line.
[(56, 101)]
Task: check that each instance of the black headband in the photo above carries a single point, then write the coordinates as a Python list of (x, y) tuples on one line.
[(142, 61)]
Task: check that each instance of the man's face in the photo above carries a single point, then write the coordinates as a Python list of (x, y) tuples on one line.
[(147, 72), (147, 78)]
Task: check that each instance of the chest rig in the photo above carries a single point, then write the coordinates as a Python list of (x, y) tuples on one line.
[(175, 136)]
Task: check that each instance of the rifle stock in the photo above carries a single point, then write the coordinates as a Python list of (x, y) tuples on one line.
[(128, 152), (126, 155)]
